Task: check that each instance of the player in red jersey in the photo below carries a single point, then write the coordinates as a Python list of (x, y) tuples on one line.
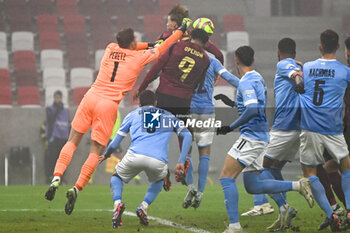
[(175, 17), (183, 67)]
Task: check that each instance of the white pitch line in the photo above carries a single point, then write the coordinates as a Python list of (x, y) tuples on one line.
[(160, 220)]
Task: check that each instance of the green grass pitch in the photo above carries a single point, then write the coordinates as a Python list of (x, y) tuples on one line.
[(45, 217)]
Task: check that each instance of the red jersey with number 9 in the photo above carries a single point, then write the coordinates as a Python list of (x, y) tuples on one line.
[(183, 66)]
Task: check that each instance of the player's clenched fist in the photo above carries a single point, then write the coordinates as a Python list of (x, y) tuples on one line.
[(186, 23), (179, 169)]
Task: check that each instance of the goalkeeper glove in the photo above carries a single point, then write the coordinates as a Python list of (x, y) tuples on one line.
[(223, 130), (152, 44), (186, 23), (225, 99)]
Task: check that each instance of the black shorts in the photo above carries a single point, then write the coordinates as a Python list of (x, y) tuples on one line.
[(178, 106)]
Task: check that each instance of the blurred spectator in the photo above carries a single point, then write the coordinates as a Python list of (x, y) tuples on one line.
[(57, 132)]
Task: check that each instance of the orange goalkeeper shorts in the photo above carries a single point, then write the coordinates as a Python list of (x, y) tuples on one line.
[(99, 113)]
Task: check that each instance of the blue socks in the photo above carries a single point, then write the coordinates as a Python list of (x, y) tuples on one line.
[(345, 184), (116, 188), (277, 174), (189, 176), (203, 168), (153, 191), (277, 197), (231, 198), (260, 199), (255, 185), (320, 195)]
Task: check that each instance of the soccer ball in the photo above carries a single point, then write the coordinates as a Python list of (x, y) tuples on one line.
[(205, 24)]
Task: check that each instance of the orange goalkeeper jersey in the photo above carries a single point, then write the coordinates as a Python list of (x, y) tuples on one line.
[(120, 68)]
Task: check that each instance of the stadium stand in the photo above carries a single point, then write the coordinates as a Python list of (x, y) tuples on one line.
[(143, 7), (3, 41), (26, 77), (309, 7), (101, 31), (150, 31), (20, 21), (28, 96), (117, 7), (74, 24), (49, 40), (24, 60), (346, 23), (47, 23), (51, 58), (233, 23), (81, 77), (54, 76), (40, 7), (67, 7), (23, 40), (79, 56), (125, 20), (98, 57), (92, 7), (236, 39), (16, 7), (78, 94), (164, 6), (4, 59), (5, 78), (5, 96), (101, 37)]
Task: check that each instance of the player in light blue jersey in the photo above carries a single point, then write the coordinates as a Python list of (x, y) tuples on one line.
[(202, 109), (246, 154), (325, 81), (150, 130), (284, 136)]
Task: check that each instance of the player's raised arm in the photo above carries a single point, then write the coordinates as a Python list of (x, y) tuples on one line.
[(152, 54), (224, 73), (211, 48), (186, 22), (155, 69)]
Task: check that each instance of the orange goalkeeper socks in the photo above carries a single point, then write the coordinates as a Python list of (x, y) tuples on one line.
[(87, 170), (64, 158)]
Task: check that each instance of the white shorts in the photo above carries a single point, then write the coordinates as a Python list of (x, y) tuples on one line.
[(132, 164), (284, 145), (204, 135), (312, 146), (249, 152)]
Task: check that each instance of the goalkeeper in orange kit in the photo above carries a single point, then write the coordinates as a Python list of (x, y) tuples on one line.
[(120, 67)]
